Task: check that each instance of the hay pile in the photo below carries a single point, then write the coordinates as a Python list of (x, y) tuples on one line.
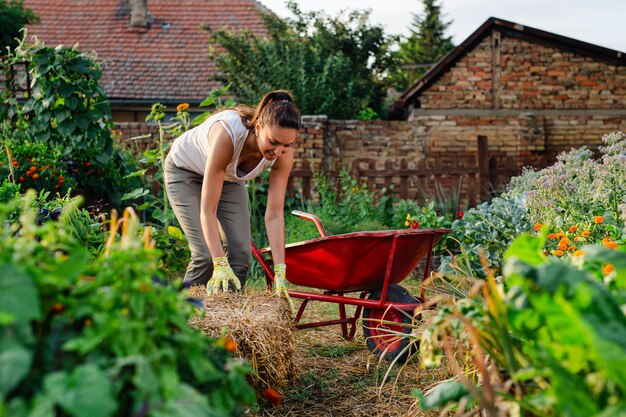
[(261, 326)]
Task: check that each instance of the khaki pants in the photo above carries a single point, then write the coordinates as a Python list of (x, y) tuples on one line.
[(183, 190)]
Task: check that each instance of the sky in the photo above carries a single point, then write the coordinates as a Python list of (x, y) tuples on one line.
[(601, 22)]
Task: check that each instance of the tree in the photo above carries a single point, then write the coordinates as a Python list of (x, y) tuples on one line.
[(332, 65), (13, 17), (426, 45)]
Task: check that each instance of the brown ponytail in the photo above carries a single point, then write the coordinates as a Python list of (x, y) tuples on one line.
[(276, 108)]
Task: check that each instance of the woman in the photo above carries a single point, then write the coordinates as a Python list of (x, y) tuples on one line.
[(205, 174)]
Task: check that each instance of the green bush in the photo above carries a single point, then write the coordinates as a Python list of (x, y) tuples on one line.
[(8, 191), (577, 187), (409, 213), (551, 340), (348, 206), (38, 166), (580, 200), (486, 231), (101, 335), (332, 65), (68, 112)]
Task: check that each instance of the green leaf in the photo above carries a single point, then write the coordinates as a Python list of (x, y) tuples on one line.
[(442, 394), (209, 101), (139, 173), (617, 410), (143, 206), (175, 232), (136, 193), (18, 295), (528, 249), (189, 403), (85, 392), (15, 362), (43, 406), (200, 118)]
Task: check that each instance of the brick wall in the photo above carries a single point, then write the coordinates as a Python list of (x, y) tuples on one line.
[(533, 76), (467, 85)]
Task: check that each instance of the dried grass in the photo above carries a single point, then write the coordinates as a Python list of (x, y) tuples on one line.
[(352, 384), (261, 325)]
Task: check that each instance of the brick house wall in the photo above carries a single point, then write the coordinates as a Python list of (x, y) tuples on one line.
[(539, 102)]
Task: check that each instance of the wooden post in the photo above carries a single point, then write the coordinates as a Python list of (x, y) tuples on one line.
[(483, 167)]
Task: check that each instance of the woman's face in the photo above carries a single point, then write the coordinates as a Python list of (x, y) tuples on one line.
[(274, 141)]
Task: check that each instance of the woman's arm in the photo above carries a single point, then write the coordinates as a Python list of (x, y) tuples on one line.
[(275, 211), (220, 153)]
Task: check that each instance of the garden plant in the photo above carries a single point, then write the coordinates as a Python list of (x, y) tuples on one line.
[(540, 328), (105, 334)]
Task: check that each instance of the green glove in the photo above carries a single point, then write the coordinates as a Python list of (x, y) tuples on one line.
[(222, 274), (280, 284)]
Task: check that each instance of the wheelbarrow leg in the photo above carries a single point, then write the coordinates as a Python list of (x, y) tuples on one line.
[(355, 319), (342, 316)]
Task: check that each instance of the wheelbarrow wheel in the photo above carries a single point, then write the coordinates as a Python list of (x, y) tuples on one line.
[(383, 328)]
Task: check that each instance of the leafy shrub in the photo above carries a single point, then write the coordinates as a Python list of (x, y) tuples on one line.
[(578, 200), (39, 166), (579, 193), (68, 112), (8, 191), (409, 213), (332, 65), (348, 206), (550, 341), (486, 231), (101, 335)]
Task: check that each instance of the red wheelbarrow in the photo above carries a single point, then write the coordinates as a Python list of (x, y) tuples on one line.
[(370, 264)]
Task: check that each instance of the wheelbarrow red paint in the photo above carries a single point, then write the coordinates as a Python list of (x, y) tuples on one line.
[(370, 264)]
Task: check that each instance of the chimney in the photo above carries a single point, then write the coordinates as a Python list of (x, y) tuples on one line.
[(139, 13)]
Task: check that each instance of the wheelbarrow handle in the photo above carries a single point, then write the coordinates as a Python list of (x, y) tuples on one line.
[(312, 218)]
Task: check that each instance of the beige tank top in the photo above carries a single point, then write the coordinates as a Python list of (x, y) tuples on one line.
[(190, 150)]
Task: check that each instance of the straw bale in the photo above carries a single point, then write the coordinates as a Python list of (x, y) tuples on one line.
[(260, 324)]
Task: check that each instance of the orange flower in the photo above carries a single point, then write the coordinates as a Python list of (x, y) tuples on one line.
[(564, 243), (558, 253), (577, 238), (230, 346), (598, 219), (573, 247), (578, 253), (573, 229), (607, 269), (611, 244), (227, 343), (272, 396), (553, 236), (182, 107), (585, 233), (537, 226)]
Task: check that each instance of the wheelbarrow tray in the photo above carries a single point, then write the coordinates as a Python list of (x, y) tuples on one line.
[(358, 261)]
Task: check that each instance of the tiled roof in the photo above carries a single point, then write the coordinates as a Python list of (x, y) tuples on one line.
[(168, 61)]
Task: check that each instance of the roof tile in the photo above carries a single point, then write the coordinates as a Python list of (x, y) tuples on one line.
[(167, 61)]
